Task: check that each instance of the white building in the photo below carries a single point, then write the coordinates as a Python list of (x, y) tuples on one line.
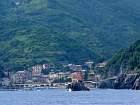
[(5, 82)]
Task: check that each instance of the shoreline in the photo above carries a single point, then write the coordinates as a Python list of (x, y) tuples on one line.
[(29, 89), (55, 88)]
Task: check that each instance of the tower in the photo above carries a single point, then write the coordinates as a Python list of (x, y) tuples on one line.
[(91, 74)]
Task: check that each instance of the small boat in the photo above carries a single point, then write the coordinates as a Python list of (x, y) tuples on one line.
[(69, 90)]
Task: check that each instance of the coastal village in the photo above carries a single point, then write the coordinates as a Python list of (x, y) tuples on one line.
[(44, 76)]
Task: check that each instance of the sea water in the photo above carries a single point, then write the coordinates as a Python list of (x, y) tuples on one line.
[(63, 97)]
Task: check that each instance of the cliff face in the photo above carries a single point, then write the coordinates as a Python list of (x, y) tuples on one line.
[(124, 81), (126, 61)]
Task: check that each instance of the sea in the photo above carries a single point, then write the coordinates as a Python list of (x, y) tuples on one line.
[(63, 97)]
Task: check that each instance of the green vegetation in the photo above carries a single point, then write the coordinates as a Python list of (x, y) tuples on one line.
[(40, 31), (63, 80), (127, 60)]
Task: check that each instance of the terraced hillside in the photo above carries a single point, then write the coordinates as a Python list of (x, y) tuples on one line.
[(40, 31)]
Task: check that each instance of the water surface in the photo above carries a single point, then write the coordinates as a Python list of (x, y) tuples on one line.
[(62, 97)]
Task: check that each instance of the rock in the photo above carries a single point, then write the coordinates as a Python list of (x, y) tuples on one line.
[(137, 84), (130, 80), (107, 84), (78, 86), (119, 82), (123, 81)]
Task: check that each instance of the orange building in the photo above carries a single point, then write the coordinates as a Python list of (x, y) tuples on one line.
[(76, 76)]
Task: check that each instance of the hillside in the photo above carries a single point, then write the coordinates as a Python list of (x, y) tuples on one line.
[(125, 61), (41, 31)]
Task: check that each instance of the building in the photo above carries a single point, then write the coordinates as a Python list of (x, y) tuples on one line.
[(97, 78), (5, 82), (37, 70), (102, 65), (61, 75), (44, 79), (71, 66), (76, 76), (19, 77), (78, 68), (53, 76), (90, 72), (75, 67)]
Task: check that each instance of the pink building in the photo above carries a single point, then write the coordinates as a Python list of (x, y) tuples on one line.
[(36, 70)]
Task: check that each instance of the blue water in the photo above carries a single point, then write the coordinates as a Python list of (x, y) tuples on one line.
[(62, 97)]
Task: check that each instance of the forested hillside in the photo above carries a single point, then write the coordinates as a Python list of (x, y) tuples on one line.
[(41, 31), (125, 61)]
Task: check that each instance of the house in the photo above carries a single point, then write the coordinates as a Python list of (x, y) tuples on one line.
[(61, 75), (37, 70), (78, 68), (19, 77), (71, 66), (76, 76), (102, 65), (5, 82), (97, 78), (53, 76), (44, 79), (75, 67)]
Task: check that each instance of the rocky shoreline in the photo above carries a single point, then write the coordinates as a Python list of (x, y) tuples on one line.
[(123, 81)]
